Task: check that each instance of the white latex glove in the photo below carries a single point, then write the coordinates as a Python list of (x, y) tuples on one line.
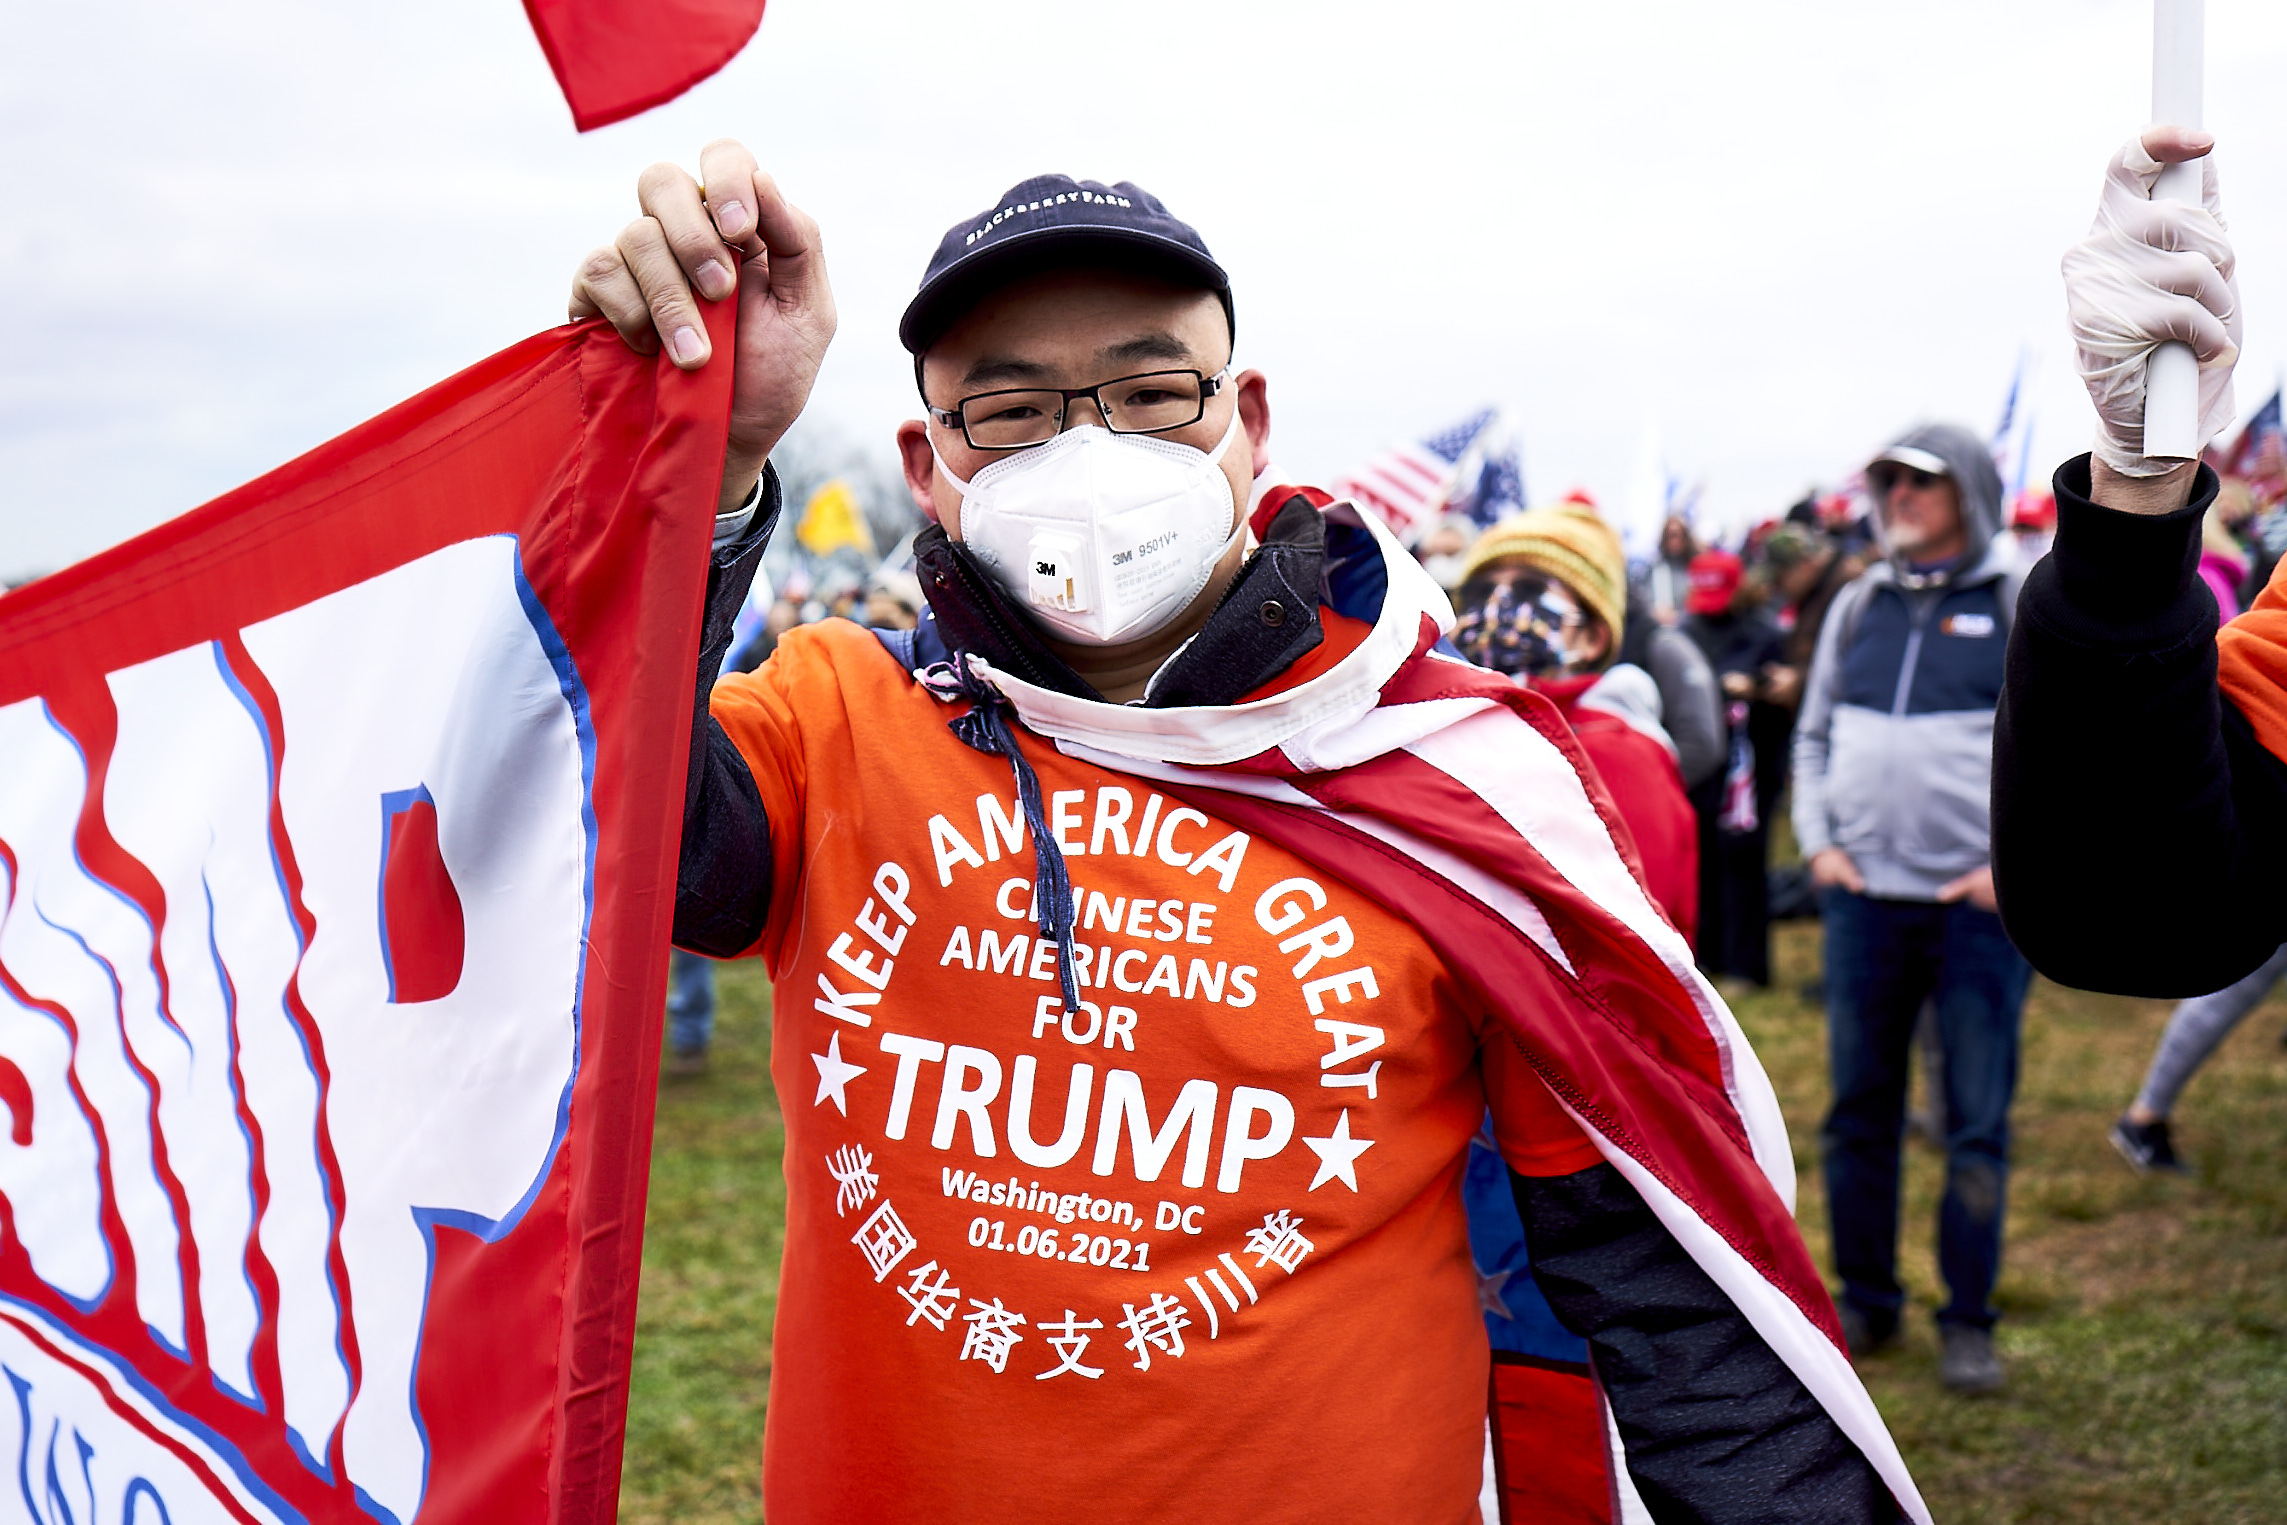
[(2151, 271)]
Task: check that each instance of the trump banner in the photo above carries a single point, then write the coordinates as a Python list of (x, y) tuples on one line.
[(337, 859)]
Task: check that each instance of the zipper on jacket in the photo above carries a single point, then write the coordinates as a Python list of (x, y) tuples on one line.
[(1919, 621)]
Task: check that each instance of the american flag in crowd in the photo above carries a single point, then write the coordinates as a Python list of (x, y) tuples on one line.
[(2244, 458), (1409, 486), (2013, 437), (1500, 488), (2009, 404)]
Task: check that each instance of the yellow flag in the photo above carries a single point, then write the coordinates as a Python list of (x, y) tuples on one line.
[(833, 519)]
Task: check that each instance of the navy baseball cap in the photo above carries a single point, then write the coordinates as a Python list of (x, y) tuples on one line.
[(1053, 222)]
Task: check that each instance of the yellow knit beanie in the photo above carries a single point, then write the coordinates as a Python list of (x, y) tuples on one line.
[(1569, 542)]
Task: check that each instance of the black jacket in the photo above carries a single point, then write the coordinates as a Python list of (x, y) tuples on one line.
[(1716, 1427), (2138, 826)]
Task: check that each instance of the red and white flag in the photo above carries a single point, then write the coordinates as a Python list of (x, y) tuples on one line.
[(337, 856), (1409, 485)]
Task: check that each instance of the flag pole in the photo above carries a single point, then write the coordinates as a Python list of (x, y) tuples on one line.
[(2172, 375)]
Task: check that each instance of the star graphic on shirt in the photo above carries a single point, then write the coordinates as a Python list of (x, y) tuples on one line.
[(834, 1073), (1338, 1154), (1489, 1299)]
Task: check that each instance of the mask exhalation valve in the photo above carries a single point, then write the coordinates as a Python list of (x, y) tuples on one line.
[(1059, 572)]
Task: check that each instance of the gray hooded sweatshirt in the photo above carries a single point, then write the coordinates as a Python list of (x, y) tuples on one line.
[(1893, 753)]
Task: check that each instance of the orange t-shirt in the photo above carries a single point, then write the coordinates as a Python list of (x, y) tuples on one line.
[(1195, 1251)]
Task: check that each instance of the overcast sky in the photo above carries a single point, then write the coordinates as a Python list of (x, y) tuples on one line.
[(1772, 233)]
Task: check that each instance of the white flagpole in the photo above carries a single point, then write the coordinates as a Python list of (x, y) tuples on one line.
[(2172, 376)]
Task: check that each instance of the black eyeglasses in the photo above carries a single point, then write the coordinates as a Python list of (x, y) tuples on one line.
[(1885, 475), (1021, 417)]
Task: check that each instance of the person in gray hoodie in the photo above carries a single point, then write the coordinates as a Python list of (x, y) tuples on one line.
[(1892, 758)]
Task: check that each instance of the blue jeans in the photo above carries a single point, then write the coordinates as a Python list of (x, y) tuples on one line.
[(1883, 959), (690, 1002)]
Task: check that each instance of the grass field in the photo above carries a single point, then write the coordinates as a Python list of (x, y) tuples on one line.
[(2146, 1328)]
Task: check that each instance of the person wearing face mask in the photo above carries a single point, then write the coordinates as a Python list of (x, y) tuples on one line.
[(1154, 925), (1445, 547), (1892, 755), (1542, 595)]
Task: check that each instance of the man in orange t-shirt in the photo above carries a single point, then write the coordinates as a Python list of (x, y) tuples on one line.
[(1125, 1125), (995, 1199)]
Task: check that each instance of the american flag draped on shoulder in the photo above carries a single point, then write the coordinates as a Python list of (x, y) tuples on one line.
[(1463, 802), (337, 856)]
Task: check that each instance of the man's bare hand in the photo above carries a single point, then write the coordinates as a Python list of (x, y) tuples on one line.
[(1976, 887), (739, 234), (1831, 869)]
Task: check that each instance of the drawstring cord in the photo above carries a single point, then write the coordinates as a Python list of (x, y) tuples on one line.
[(985, 727)]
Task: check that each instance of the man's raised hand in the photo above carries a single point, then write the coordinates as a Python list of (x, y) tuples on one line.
[(741, 234)]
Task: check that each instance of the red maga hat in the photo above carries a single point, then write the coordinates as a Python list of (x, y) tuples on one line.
[(1715, 578)]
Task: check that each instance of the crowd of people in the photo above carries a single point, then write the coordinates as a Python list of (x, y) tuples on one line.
[(1844, 659), (1158, 695), (1701, 683), (1847, 658)]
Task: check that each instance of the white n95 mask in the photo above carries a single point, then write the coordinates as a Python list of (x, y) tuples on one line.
[(1104, 537)]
